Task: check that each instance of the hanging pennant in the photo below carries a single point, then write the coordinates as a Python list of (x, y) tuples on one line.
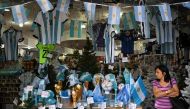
[(63, 5), (45, 5), (114, 15), (186, 4), (139, 13), (165, 12), (19, 14), (129, 21), (147, 26), (90, 9)]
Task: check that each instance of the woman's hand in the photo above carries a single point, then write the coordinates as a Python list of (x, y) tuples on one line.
[(173, 92)]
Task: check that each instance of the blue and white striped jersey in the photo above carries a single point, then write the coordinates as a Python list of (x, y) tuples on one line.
[(51, 25), (10, 39)]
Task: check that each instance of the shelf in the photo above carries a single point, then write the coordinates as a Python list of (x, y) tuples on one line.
[(9, 88)]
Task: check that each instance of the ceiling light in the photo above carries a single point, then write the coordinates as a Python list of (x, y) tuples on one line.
[(29, 47), (83, 26), (7, 9), (21, 25), (2, 45), (121, 13), (28, 22)]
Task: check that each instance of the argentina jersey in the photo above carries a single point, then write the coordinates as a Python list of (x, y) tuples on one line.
[(51, 25), (10, 39)]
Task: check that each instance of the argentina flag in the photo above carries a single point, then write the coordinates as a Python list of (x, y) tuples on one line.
[(165, 12), (63, 5), (90, 9), (139, 92), (114, 15), (19, 14), (186, 4), (139, 13), (45, 5)]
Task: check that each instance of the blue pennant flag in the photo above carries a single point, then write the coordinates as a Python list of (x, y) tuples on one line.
[(186, 4), (165, 12), (114, 15), (139, 13), (139, 92), (63, 5), (90, 9), (45, 5), (123, 95), (19, 14)]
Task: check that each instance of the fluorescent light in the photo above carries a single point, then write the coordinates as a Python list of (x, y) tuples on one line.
[(121, 13), (6, 9), (2, 45), (83, 26), (28, 22), (21, 25)]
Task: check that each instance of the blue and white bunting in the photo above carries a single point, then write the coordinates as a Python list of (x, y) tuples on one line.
[(90, 9), (186, 4), (45, 5), (63, 5), (139, 13), (19, 14), (165, 12), (139, 91), (114, 15)]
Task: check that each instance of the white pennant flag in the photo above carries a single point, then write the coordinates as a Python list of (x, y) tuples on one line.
[(45, 5), (19, 14)]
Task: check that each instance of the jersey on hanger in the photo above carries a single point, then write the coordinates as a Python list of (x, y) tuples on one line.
[(10, 39), (51, 24)]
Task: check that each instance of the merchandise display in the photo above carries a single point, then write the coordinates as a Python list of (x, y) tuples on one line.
[(65, 54)]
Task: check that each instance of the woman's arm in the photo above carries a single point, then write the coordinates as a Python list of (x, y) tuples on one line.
[(173, 92), (158, 93)]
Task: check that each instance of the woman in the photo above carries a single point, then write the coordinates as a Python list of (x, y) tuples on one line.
[(164, 87)]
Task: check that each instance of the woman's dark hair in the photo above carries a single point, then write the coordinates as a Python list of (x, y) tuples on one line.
[(165, 69)]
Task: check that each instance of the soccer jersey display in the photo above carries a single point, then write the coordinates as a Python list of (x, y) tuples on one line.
[(109, 44), (44, 50), (51, 25), (10, 39)]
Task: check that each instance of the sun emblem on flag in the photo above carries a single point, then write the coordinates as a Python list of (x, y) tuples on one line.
[(43, 1), (139, 13), (113, 15), (166, 13), (19, 14), (62, 4), (138, 89)]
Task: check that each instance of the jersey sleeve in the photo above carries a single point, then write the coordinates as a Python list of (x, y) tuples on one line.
[(19, 36), (174, 82), (39, 45), (38, 18), (51, 47), (36, 32), (3, 37)]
